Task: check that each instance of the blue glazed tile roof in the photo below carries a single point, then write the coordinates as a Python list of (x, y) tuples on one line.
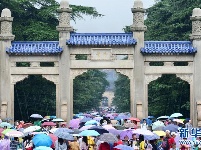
[(34, 48), (168, 47), (85, 39)]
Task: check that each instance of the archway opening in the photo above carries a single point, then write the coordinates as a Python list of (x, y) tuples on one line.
[(169, 94), (34, 94), (122, 94)]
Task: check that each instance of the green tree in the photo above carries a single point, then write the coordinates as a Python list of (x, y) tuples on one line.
[(88, 89), (37, 19)]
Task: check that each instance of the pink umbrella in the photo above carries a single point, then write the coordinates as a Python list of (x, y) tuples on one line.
[(108, 127), (97, 118), (1, 130), (86, 127), (74, 123), (53, 137), (49, 124)]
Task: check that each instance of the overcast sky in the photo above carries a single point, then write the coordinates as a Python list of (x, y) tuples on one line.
[(117, 15)]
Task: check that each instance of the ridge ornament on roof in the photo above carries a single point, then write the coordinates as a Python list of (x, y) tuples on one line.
[(168, 47), (86, 39), (34, 48)]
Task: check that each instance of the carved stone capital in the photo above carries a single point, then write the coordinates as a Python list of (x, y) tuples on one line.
[(151, 77), (76, 72), (126, 72), (186, 77), (52, 78), (138, 28), (134, 10), (4, 37), (63, 29), (68, 10), (17, 78), (10, 19)]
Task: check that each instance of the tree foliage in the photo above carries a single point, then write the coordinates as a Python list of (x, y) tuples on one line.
[(88, 89), (37, 19)]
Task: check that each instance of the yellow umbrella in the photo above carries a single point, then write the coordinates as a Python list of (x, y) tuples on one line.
[(159, 133)]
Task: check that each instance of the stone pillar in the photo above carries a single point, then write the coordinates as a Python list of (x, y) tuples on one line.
[(138, 28), (196, 39), (64, 29), (6, 37)]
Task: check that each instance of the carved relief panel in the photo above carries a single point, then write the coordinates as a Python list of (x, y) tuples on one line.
[(101, 54)]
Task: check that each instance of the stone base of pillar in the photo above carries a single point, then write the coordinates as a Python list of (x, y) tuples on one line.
[(4, 107), (139, 110)]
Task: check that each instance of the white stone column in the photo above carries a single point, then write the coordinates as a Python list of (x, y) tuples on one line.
[(138, 29), (196, 38), (129, 74), (6, 37), (64, 29)]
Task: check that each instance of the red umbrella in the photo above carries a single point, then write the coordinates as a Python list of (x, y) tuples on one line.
[(26, 125), (134, 119), (1, 130), (54, 138), (49, 124)]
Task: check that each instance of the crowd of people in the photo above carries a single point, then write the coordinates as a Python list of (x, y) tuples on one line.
[(132, 140)]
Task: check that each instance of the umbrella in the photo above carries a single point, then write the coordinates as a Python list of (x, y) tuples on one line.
[(151, 137), (125, 133), (42, 148), (123, 117), (58, 120), (5, 124), (97, 118), (143, 132), (86, 127), (74, 123), (4, 143), (14, 134), (110, 116), (178, 121), (108, 127), (171, 128), (91, 122), (114, 131), (162, 117), (26, 125), (85, 119), (76, 131), (157, 124), (134, 119), (175, 115), (160, 128), (148, 121), (53, 137), (7, 130), (62, 130), (151, 117), (36, 116), (99, 129), (42, 140), (65, 135), (1, 130), (160, 133), (49, 124), (108, 137), (123, 147), (89, 133), (31, 129)]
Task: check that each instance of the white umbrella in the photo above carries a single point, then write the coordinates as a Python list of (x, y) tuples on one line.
[(175, 115), (162, 117), (31, 129), (14, 134), (36, 116), (143, 132), (58, 120)]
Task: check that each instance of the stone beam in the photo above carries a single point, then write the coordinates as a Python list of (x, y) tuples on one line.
[(169, 58), (87, 64), (34, 58), (37, 70), (168, 70)]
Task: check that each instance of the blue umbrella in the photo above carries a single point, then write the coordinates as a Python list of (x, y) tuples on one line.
[(42, 140), (65, 136), (89, 133), (175, 115), (91, 122), (85, 119), (123, 147), (62, 130), (171, 128), (151, 137), (151, 117), (43, 148), (148, 121)]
